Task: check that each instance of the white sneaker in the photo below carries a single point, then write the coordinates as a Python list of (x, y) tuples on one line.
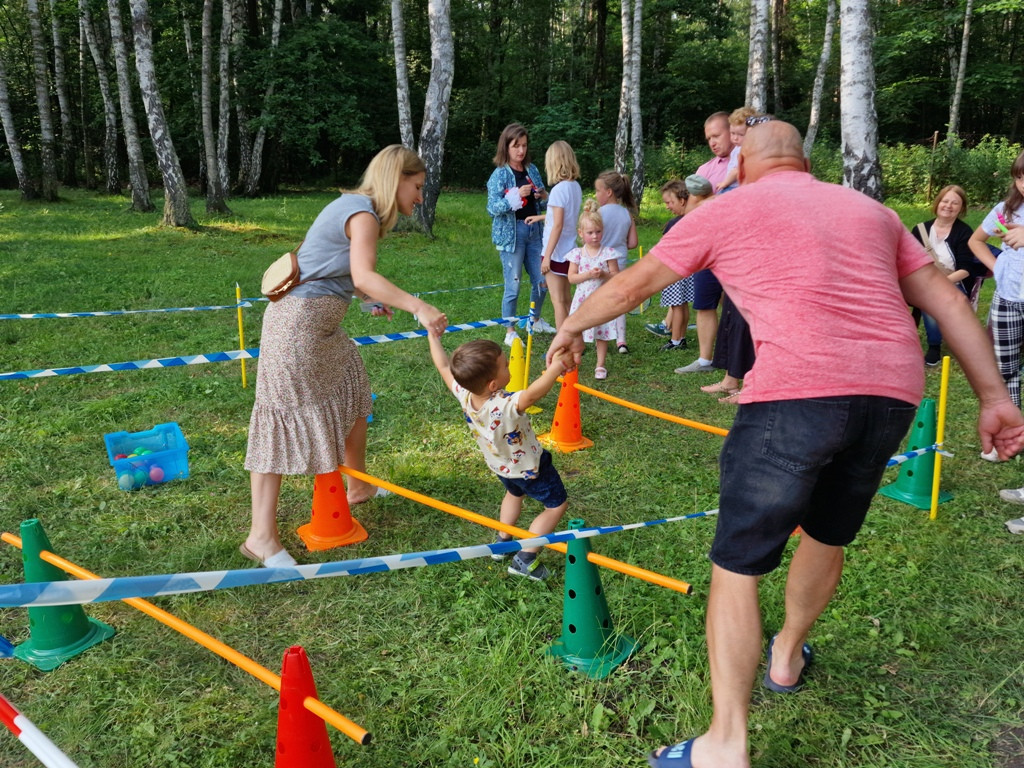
[(1015, 526), (1013, 495), (992, 455), (540, 325), (510, 337)]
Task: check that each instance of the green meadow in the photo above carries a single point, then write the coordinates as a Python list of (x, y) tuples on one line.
[(919, 658)]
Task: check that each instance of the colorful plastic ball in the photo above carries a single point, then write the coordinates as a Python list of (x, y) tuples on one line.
[(121, 456), (140, 477), (156, 474), (125, 482), (131, 456)]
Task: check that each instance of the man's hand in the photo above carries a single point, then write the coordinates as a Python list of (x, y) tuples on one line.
[(566, 348), (1001, 426)]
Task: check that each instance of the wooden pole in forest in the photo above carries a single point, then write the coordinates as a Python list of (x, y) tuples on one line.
[(931, 165)]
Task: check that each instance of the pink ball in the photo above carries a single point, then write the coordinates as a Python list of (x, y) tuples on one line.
[(156, 474)]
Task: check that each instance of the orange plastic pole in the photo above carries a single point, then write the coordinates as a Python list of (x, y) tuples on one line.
[(473, 517), (652, 412), (318, 708)]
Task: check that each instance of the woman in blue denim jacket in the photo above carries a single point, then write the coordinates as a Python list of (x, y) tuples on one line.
[(515, 193)]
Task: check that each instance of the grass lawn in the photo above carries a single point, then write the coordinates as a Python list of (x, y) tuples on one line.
[(919, 659)]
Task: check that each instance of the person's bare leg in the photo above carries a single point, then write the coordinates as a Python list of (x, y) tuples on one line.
[(263, 539), (734, 652), (355, 458), (707, 329), (812, 580), (546, 522), (677, 326), (558, 287)]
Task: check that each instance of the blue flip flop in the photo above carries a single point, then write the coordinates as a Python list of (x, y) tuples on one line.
[(771, 685), (673, 757)]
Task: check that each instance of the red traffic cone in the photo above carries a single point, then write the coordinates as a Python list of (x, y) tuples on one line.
[(332, 524), (566, 433), (302, 740)]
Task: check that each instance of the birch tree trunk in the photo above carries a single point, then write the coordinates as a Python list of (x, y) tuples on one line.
[(622, 124), (778, 8), (435, 110), (401, 75), (819, 77), (239, 33), (25, 185), (68, 154), (83, 97), (958, 90), (113, 186), (46, 135), (214, 179), (757, 57), (197, 103), (859, 120), (176, 208), (252, 182), (635, 116), (224, 107), (137, 176)]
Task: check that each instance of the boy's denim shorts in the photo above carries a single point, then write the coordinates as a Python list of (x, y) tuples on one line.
[(813, 463), (546, 487)]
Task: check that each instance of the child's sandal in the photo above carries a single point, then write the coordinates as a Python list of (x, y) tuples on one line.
[(600, 372)]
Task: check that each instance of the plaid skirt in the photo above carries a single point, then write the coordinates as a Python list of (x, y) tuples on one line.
[(679, 293), (311, 387)]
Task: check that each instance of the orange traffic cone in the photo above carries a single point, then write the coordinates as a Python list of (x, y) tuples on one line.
[(332, 524), (566, 434), (302, 740)]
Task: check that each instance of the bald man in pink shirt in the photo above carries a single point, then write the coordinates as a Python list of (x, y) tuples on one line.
[(805, 450)]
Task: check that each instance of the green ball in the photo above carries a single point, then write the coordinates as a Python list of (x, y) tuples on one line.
[(140, 478)]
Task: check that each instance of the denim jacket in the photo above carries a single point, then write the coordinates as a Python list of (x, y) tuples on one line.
[(503, 225)]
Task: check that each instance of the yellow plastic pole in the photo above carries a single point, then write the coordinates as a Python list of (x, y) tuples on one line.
[(241, 335), (652, 412), (940, 433), (473, 517), (526, 363), (318, 708)]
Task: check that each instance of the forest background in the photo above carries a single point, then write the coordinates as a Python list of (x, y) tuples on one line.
[(309, 86)]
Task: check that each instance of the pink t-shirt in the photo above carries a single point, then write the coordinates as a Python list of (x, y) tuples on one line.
[(714, 170), (813, 267)]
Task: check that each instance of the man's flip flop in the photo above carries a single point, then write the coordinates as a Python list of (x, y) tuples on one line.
[(672, 757), (771, 685)]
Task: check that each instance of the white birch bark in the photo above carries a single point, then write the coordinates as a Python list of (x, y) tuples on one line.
[(401, 75), (252, 182), (47, 140), (224, 106), (239, 34), (176, 205), (435, 109), (778, 8), (961, 71), (819, 78), (622, 124), (137, 176), (113, 184), (635, 116), (757, 57), (197, 103), (25, 185), (68, 155), (214, 179), (859, 120)]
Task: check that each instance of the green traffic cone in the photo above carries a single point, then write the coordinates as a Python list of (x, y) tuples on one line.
[(57, 632), (588, 643), (914, 484)]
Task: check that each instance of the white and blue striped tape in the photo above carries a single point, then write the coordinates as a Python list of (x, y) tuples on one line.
[(34, 595), (899, 458), (113, 312), (236, 354)]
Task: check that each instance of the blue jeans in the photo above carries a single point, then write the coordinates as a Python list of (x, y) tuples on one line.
[(931, 330), (815, 463), (528, 253)]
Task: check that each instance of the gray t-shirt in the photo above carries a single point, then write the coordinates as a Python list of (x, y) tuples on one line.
[(325, 251)]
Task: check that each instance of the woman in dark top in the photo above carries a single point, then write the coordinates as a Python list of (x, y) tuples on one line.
[(945, 238)]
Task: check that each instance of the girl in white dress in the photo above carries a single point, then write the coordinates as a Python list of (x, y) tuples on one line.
[(589, 266)]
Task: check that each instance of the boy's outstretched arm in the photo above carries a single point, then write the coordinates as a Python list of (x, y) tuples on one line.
[(440, 358), (543, 383)]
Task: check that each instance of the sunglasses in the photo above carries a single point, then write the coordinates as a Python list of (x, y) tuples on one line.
[(752, 121)]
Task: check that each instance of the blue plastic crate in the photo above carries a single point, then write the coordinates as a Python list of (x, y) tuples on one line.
[(152, 457)]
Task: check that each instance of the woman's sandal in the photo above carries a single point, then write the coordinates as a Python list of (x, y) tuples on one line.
[(719, 388), (732, 398)]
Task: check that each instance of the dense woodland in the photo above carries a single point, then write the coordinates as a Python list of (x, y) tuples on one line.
[(298, 92)]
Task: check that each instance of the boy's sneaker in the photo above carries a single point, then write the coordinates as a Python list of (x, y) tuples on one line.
[(658, 329), (510, 337), (540, 325), (536, 570), (668, 346), (1015, 526), (498, 539)]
